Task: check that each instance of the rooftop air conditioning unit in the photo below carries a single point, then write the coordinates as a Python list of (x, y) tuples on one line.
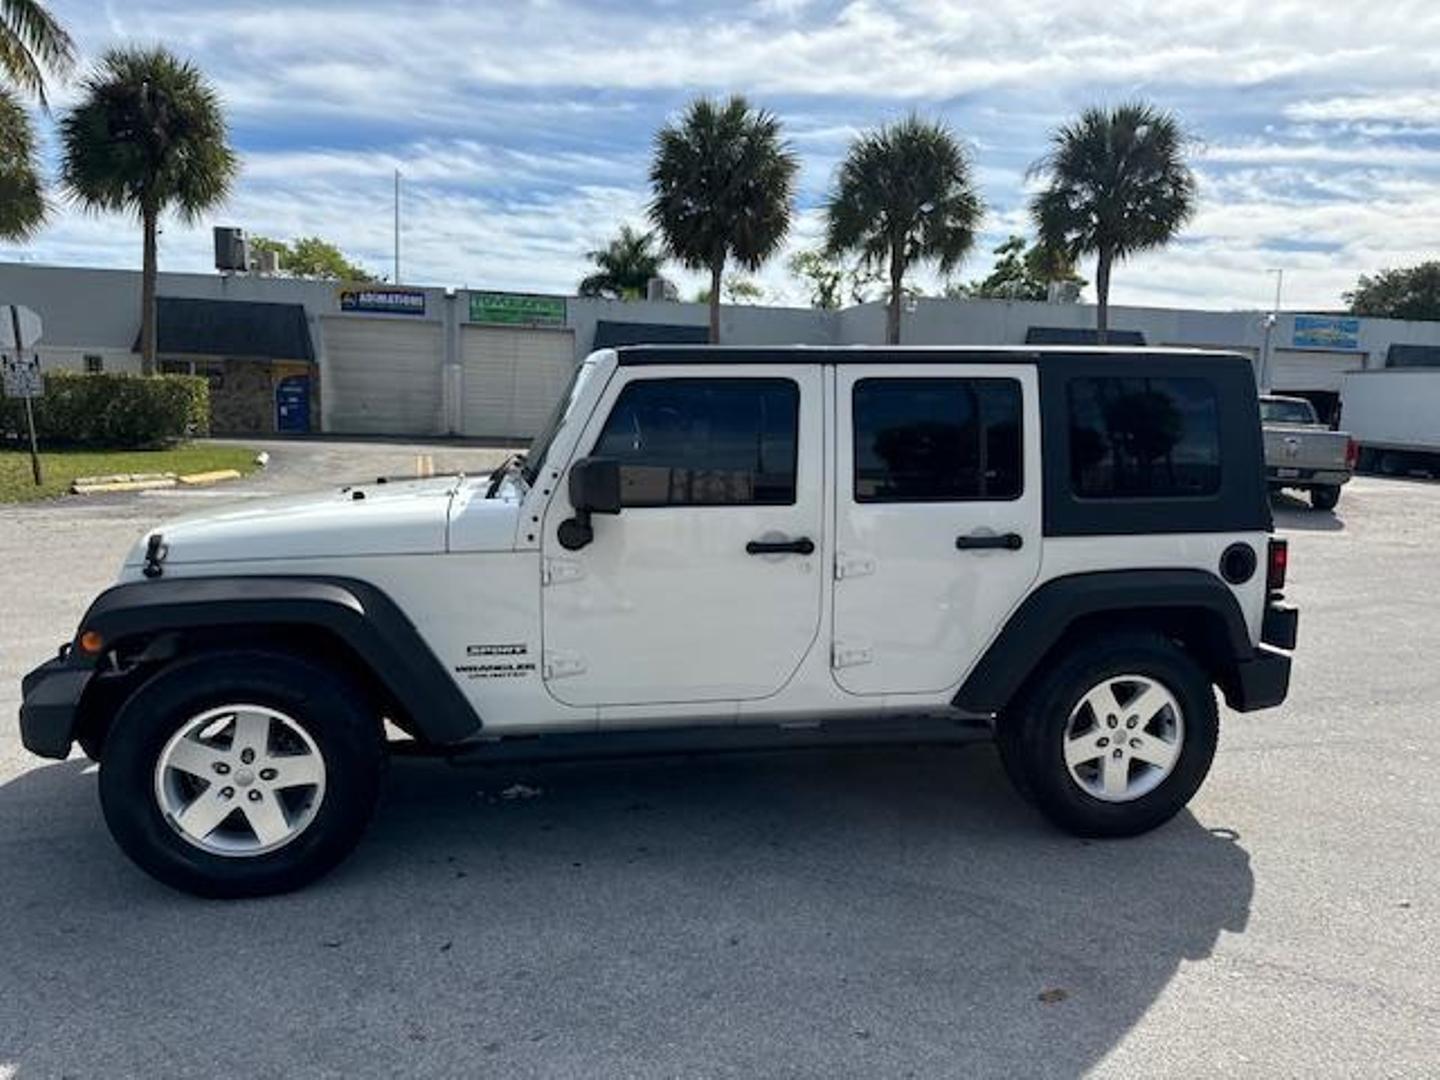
[(267, 263), (231, 251), (659, 288)]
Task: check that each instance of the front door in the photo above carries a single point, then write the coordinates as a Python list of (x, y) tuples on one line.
[(937, 518), (707, 586), (292, 404)]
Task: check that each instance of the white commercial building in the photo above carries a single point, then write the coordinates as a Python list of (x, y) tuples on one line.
[(287, 355)]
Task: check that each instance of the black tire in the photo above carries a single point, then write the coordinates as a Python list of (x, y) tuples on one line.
[(1036, 725), (333, 712), (1324, 498)]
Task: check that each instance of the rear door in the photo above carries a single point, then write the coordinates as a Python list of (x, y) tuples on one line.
[(707, 586), (938, 518)]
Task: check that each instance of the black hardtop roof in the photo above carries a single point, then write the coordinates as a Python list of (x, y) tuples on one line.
[(912, 354)]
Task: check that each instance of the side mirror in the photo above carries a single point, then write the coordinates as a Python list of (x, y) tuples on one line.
[(594, 489)]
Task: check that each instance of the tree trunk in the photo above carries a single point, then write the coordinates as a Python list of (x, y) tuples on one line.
[(1102, 296), (147, 295), (717, 269), (897, 291)]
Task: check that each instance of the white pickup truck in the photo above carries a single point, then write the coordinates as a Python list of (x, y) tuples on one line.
[(707, 548), (1304, 454)]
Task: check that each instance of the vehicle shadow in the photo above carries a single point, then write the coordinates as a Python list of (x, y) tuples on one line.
[(1295, 512), (891, 913)]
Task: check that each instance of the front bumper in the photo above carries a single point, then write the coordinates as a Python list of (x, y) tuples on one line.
[(50, 705)]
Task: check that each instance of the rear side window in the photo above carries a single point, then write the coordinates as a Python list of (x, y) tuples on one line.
[(1144, 438), (704, 442), (936, 440)]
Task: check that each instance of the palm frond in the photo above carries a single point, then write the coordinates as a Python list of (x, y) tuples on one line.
[(722, 181), (22, 199), (32, 41), (149, 133), (904, 188), (1115, 180)]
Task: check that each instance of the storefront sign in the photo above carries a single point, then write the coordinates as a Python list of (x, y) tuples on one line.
[(1326, 332), (517, 309), (383, 301)]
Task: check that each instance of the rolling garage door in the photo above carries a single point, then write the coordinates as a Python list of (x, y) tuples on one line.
[(1311, 369), (383, 376), (512, 378)]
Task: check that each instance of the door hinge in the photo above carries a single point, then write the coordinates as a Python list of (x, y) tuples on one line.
[(560, 664), (557, 571), (849, 565), (849, 655)]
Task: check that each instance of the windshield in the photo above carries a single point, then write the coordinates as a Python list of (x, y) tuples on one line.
[(1277, 411), (554, 424)]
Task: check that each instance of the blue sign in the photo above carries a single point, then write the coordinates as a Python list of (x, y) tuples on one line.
[(384, 301), (292, 404), (1326, 332)]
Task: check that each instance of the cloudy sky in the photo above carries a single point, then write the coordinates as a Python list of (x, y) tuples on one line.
[(523, 129)]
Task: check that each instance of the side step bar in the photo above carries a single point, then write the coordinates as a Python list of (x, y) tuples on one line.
[(597, 745)]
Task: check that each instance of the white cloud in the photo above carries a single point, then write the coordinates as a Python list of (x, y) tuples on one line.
[(523, 128)]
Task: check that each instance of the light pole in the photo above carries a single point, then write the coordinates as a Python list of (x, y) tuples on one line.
[(1269, 322), (397, 226)]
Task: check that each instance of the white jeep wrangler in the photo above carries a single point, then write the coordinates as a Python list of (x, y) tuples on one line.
[(707, 548)]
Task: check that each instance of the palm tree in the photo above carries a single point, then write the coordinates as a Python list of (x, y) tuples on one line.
[(147, 136), (32, 42), (904, 195), (1116, 183), (723, 182), (624, 266)]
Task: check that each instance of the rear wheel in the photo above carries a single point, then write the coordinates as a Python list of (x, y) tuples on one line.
[(1116, 737), (241, 773), (1324, 498)]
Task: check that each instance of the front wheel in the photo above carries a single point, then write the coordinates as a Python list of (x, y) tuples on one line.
[(1116, 737), (241, 773), (1324, 498)]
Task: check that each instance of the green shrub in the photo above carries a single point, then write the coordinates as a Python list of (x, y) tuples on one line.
[(113, 410)]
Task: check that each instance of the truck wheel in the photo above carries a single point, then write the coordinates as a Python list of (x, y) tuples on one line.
[(241, 773), (1324, 498), (1116, 737)]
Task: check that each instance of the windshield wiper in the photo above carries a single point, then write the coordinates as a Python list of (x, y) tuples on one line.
[(498, 476)]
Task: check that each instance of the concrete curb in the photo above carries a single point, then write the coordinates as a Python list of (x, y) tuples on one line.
[(212, 477), (103, 485)]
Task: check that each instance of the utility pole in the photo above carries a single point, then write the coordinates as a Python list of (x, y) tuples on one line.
[(397, 226)]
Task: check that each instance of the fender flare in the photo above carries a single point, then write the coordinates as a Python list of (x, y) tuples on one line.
[(1049, 612), (357, 613)]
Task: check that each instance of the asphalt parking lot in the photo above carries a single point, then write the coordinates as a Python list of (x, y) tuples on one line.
[(838, 914)]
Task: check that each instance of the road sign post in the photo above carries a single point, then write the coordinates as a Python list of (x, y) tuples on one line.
[(22, 378)]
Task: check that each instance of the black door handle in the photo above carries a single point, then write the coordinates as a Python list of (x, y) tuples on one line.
[(1003, 542), (801, 546)]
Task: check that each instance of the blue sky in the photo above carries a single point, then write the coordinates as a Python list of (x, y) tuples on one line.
[(523, 129)]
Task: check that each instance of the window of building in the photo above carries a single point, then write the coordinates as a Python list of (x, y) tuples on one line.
[(94, 364), (705, 442), (937, 440), (1144, 438)]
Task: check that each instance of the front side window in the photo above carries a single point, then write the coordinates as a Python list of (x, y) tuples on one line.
[(1136, 437), (937, 440), (704, 442)]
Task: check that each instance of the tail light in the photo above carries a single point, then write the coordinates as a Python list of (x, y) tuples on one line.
[(1352, 453), (1276, 565)]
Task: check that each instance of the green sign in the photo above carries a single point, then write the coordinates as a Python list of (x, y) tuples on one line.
[(517, 309)]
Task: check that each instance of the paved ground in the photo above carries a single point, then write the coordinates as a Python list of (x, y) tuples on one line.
[(847, 914)]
